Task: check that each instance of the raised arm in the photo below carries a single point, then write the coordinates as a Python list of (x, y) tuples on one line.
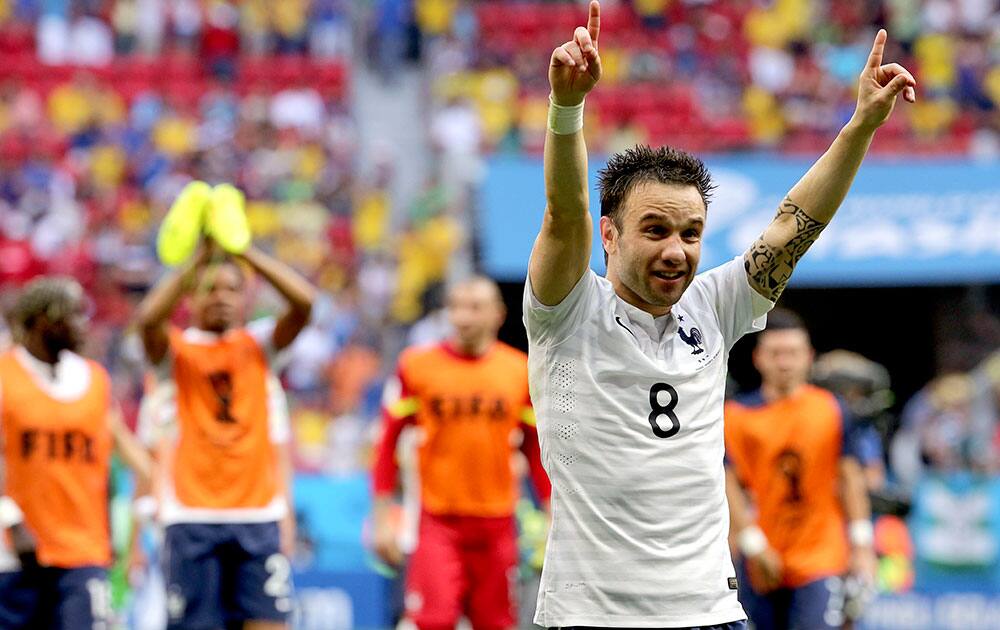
[(562, 250), (294, 288), (812, 202), (153, 313)]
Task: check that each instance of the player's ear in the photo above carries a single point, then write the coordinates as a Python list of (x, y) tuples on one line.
[(755, 355), (609, 234)]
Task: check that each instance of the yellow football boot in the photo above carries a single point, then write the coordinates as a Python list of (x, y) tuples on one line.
[(226, 221), (181, 228)]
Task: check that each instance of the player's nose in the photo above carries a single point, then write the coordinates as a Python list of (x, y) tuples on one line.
[(672, 251)]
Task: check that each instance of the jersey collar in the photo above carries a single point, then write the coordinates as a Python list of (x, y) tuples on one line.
[(200, 336), (68, 379), (451, 350), (645, 321)]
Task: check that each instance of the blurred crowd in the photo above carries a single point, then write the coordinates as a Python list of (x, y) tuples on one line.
[(952, 424), (716, 76), (108, 107), (92, 32)]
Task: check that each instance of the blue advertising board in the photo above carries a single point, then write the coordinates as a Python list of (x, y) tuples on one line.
[(933, 222), (338, 589), (955, 526), (942, 611), (327, 600)]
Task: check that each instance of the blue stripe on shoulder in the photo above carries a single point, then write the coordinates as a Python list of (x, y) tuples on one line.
[(751, 399)]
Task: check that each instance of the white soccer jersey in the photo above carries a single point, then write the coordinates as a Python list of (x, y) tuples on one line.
[(630, 423)]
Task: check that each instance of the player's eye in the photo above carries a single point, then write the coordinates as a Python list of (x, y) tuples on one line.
[(692, 235)]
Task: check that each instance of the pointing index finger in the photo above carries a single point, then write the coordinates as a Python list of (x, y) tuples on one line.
[(594, 21), (875, 58)]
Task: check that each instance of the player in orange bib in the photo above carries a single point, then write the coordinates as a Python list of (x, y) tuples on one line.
[(58, 424), (789, 445), (469, 397), (224, 469)]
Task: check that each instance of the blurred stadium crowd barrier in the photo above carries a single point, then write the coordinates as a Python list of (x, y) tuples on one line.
[(107, 107)]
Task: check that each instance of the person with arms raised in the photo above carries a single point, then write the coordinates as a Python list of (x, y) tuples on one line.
[(628, 370)]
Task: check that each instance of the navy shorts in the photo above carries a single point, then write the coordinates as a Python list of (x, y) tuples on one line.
[(51, 598), (221, 574), (818, 605)]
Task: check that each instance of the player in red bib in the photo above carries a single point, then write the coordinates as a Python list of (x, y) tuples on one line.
[(58, 424), (469, 398), (789, 446)]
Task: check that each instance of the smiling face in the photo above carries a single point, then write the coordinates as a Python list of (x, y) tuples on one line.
[(655, 244)]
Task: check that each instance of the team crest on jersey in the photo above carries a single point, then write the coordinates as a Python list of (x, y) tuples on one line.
[(693, 339)]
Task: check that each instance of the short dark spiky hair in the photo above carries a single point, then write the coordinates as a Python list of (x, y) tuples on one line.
[(785, 319), (642, 163)]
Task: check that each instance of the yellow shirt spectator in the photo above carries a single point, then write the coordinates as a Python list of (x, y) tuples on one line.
[(936, 57), (434, 16), (764, 115), (69, 108), (175, 136), (107, 166), (263, 218), (650, 8), (371, 218), (289, 17), (930, 117)]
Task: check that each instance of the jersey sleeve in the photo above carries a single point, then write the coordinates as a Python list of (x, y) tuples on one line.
[(279, 425), (262, 331), (726, 290), (398, 408), (157, 414), (164, 370), (733, 457), (858, 439), (550, 325)]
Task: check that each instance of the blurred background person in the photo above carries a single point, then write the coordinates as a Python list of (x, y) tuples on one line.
[(60, 424), (807, 522), (226, 482), (468, 396)]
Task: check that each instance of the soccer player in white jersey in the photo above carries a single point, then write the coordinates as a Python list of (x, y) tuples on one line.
[(628, 371)]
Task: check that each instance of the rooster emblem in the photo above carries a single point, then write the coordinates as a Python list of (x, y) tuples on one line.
[(694, 339)]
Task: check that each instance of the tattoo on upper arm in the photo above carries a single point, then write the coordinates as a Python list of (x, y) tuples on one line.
[(770, 265)]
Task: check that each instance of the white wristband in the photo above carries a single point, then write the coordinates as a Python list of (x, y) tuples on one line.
[(751, 541), (563, 120), (144, 508), (10, 513), (861, 533)]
